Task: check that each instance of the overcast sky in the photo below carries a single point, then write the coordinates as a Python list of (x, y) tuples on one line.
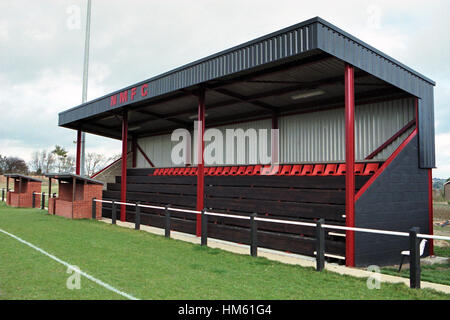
[(41, 52)]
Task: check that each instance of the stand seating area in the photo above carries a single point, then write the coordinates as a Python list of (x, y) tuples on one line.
[(330, 169), (292, 192)]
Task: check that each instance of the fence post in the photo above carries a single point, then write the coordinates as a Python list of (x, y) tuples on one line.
[(113, 214), (94, 209), (3, 194), (137, 217), (320, 245), (204, 239), (33, 199), (167, 229), (43, 201), (253, 236), (414, 259)]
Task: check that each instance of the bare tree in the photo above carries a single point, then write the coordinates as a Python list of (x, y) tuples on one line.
[(94, 162), (42, 162), (48, 161), (67, 164), (35, 163), (114, 157)]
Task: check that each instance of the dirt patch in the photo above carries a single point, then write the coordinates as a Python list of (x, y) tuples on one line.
[(441, 243), (441, 211)]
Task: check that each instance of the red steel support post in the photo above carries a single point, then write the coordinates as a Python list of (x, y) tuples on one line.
[(200, 165), (123, 181), (78, 161), (350, 164)]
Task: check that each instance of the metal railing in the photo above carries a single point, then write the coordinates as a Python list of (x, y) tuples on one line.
[(413, 234), (43, 196), (4, 192)]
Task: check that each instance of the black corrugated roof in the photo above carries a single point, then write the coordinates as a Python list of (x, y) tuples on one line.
[(310, 44), (306, 40), (18, 175), (70, 176)]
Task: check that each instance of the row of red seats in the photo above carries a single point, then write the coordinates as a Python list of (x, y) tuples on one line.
[(283, 170)]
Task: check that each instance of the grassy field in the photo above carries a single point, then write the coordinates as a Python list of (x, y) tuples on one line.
[(148, 266)]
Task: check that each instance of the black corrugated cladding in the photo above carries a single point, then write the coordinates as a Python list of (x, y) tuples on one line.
[(397, 200), (349, 49), (312, 36)]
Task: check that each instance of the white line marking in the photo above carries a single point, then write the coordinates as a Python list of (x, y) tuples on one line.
[(99, 282)]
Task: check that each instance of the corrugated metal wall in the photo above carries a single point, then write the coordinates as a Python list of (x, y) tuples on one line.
[(251, 149), (320, 136), (310, 137), (158, 148)]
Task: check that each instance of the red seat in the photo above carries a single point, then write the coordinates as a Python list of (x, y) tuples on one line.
[(371, 168), (233, 171), (330, 169), (265, 170), (248, 170), (211, 171), (318, 169), (225, 171), (296, 170), (193, 171), (175, 172), (270, 170), (218, 171), (156, 172), (257, 170), (307, 169), (341, 169), (181, 171), (170, 172), (241, 171), (359, 168), (205, 170), (166, 171), (285, 170)]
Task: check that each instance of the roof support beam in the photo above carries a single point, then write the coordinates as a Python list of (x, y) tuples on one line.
[(350, 164), (200, 164), (157, 116), (245, 99), (123, 181)]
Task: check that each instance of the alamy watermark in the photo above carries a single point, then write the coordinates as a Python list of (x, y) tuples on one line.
[(226, 146), (74, 280), (374, 281)]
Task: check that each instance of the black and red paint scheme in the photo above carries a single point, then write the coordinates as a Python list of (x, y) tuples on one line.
[(396, 196)]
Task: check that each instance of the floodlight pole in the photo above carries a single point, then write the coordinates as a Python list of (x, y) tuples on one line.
[(85, 82)]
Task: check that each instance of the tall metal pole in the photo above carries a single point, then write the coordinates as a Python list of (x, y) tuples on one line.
[(85, 81)]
